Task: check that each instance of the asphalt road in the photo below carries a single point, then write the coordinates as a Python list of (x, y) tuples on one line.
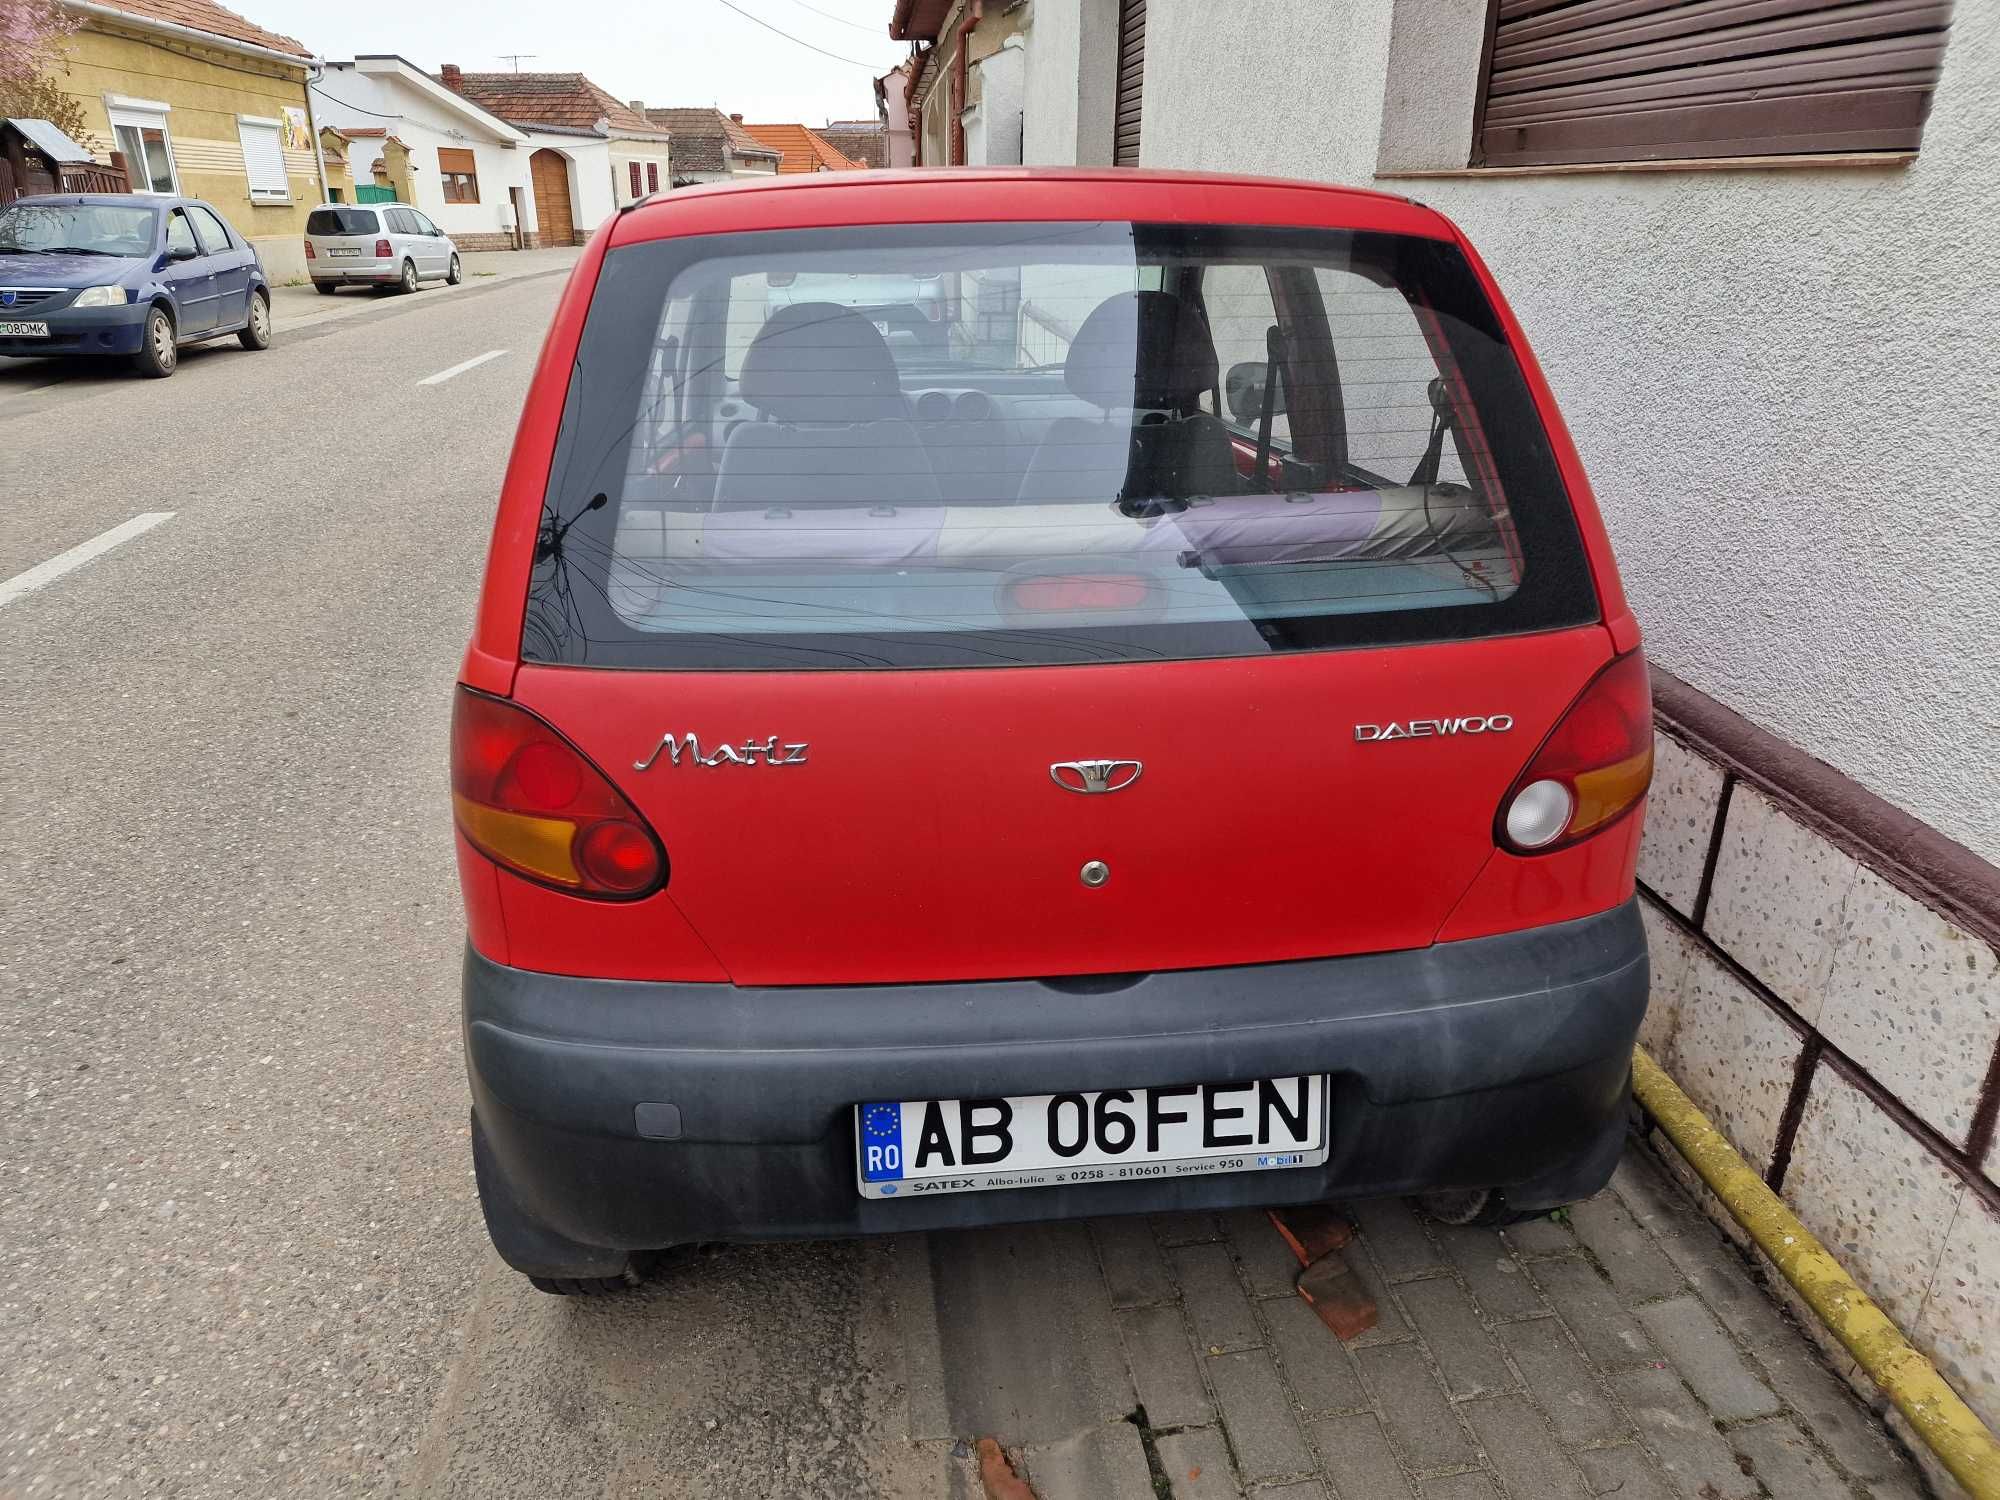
[(240, 1252)]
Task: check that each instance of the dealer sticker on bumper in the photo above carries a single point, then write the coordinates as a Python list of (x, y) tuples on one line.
[(907, 1147)]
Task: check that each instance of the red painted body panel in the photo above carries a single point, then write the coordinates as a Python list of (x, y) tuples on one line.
[(924, 839)]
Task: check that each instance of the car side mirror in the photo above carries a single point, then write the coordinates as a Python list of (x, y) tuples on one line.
[(1243, 392), (183, 252)]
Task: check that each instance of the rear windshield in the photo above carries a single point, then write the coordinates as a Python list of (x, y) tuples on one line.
[(1001, 444), (341, 221)]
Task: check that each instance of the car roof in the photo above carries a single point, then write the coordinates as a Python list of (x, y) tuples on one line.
[(974, 194), (109, 200)]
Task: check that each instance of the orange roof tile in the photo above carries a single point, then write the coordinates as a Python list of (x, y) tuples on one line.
[(804, 149), (205, 15)]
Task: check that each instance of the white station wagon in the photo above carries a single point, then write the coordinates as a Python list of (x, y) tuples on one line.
[(379, 245)]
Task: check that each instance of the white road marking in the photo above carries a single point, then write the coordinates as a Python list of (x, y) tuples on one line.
[(77, 556), (471, 364)]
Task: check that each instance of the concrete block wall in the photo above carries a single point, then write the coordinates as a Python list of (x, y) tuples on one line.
[(1826, 986)]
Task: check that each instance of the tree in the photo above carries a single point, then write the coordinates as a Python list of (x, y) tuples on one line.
[(32, 60)]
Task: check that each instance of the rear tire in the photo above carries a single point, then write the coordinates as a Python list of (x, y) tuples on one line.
[(159, 355), (629, 1280), (325, 288), (409, 282), (256, 334), (1469, 1208)]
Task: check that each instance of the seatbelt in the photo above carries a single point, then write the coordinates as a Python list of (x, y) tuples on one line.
[(1274, 364)]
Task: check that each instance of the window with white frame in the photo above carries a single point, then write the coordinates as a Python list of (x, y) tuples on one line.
[(264, 158), (139, 126)]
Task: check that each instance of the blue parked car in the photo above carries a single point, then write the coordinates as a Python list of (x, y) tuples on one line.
[(124, 274)]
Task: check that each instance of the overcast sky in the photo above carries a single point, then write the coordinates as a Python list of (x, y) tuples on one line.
[(666, 52)]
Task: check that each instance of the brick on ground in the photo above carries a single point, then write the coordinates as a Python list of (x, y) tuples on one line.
[(1707, 1360), (1787, 1463), (1389, 1325), (1585, 1301), (1833, 1413), (1321, 1375), (1214, 1298), (1262, 1428), (1519, 1448), (1682, 1436), (1496, 1279), (1625, 1472), (1466, 1354), (1469, 1486), (1420, 1422), (1561, 1383), (1356, 1453), (1185, 1229), (1638, 1268), (1135, 1273), (1397, 1237), (1164, 1370), (1543, 1236), (1197, 1465), (1268, 1263)]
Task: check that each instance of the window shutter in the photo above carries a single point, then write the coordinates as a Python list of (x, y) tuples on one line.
[(1130, 99), (457, 159), (633, 173), (652, 177), (1639, 80), (264, 161)]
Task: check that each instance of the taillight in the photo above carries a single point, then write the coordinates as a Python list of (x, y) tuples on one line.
[(309, 251), (529, 800), (382, 250), (1592, 769)]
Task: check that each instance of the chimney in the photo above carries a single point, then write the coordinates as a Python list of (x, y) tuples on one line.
[(737, 118), (636, 106), (453, 78)]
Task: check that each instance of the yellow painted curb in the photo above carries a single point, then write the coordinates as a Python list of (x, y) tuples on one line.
[(1963, 1443)]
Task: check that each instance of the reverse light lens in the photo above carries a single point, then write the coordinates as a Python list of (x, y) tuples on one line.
[(1593, 768), (100, 296), (529, 800), (1539, 813)]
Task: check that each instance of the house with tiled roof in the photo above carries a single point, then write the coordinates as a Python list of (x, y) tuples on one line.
[(710, 146), (458, 162), (800, 148), (188, 97), (865, 141), (589, 154)]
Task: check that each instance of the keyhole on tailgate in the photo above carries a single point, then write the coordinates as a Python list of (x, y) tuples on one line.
[(1094, 873)]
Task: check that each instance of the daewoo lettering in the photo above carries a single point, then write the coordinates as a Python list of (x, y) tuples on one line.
[(766, 751), (1422, 729)]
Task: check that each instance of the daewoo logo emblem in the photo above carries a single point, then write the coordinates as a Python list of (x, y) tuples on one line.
[(1423, 729), (1095, 775), (765, 752)]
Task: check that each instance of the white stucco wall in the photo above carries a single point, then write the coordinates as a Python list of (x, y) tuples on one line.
[(1785, 383), (1072, 50), (993, 125), (350, 96)]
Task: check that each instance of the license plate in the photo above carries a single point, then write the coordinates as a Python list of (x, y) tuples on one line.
[(340, 254), (24, 330), (906, 1147)]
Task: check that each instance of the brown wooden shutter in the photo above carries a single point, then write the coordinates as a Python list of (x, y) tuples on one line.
[(1131, 92), (1639, 80), (457, 159)]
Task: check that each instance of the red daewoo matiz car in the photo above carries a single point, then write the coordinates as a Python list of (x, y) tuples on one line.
[(1017, 694)]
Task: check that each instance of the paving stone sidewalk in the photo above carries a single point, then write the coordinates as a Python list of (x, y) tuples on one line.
[(1626, 1350)]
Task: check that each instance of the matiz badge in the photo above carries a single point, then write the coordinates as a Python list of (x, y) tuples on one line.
[(765, 752), (1422, 729)]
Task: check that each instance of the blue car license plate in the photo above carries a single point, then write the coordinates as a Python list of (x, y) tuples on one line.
[(24, 330)]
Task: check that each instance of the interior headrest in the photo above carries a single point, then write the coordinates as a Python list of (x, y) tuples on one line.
[(819, 362), (1141, 349)]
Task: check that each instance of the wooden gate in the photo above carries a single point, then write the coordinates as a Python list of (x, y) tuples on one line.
[(550, 171)]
